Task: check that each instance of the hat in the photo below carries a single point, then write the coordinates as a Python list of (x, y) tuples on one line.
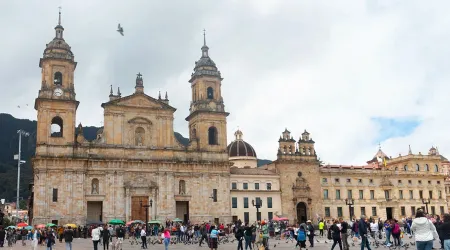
[(308, 221)]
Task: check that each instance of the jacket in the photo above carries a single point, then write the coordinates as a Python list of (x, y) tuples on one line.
[(423, 229), (95, 234), (68, 235), (444, 230), (362, 227)]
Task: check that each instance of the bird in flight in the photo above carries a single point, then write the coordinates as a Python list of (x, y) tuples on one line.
[(120, 29)]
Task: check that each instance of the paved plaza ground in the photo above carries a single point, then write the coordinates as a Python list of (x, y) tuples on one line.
[(323, 244)]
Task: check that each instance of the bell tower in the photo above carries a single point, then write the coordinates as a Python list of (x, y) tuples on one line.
[(207, 118), (56, 104)]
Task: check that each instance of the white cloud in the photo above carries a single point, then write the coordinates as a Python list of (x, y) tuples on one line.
[(327, 67)]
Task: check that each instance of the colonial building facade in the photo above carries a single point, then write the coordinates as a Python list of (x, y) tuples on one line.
[(136, 160)]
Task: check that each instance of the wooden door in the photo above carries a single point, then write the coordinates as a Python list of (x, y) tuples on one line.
[(138, 212)]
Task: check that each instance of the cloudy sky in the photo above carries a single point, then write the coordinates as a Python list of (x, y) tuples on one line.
[(352, 73)]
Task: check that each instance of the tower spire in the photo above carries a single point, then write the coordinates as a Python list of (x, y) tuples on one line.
[(139, 88), (204, 35), (59, 19), (409, 151), (111, 91), (204, 48), (166, 97)]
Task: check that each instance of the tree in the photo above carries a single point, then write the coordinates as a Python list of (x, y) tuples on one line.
[(23, 204)]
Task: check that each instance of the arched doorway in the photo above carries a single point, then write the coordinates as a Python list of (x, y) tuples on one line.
[(301, 212)]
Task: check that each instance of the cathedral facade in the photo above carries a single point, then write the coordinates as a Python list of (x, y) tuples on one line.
[(135, 161)]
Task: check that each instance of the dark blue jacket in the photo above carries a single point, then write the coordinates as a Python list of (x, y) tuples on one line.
[(362, 226)]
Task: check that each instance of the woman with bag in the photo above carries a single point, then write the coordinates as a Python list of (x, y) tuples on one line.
[(301, 237)]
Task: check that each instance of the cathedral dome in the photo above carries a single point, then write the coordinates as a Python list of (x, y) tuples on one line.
[(240, 148), (58, 48)]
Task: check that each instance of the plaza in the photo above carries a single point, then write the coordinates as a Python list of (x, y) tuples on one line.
[(321, 243)]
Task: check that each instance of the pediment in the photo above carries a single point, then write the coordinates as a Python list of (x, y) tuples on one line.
[(139, 101), (140, 120)]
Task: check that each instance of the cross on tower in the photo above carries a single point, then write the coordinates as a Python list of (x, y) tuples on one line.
[(139, 74)]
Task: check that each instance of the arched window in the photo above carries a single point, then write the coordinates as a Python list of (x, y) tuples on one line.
[(284, 150), (95, 186), (405, 167), (139, 136), (57, 78), (396, 168), (182, 187), (194, 133), (212, 136), (417, 167), (210, 93), (290, 149), (427, 168), (56, 127), (436, 168)]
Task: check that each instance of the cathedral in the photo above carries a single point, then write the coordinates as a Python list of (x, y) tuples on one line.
[(136, 163)]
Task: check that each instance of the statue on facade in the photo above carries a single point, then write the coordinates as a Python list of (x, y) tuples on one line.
[(94, 188)]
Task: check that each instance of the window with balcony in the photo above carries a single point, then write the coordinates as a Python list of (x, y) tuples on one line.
[(349, 194), (327, 212), (400, 194), (339, 211), (372, 194), (325, 194), (233, 202), (245, 202), (234, 185), (269, 202), (421, 194), (386, 195), (338, 194), (411, 195), (361, 194), (430, 195)]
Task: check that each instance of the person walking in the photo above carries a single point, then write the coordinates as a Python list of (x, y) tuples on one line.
[(166, 235), (396, 232), (424, 231), (239, 237), (204, 233), (344, 233), (321, 226), (144, 238), (106, 235), (95, 237), (310, 233), (213, 238), (68, 237), (336, 235), (301, 237), (373, 229), (444, 229), (362, 227), (248, 231)]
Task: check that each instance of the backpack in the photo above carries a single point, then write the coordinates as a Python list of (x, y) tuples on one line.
[(301, 235), (396, 229)]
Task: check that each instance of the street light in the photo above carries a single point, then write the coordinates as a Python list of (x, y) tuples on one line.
[(426, 202), (146, 213), (349, 202), (19, 161), (258, 205)]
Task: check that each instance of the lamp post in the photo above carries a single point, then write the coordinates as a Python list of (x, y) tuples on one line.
[(349, 202), (20, 132), (146, 213), (258, 205), (426, 202)]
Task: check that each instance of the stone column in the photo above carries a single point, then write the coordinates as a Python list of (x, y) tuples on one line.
[(127, 204)]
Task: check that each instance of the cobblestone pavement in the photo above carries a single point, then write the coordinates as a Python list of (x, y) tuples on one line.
[(322, 244)]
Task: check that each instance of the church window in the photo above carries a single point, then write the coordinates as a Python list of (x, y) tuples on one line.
[(182, 187), (405, 167), (427, 168), (436, 168), (55, 195), (56, 127), (57, 78), (290, 149), (95, 186), (417, 167), (139, 136), (212, 136), (210, 93), (194, 133)]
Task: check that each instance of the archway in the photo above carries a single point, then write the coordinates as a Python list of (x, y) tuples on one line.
[(301, 212)]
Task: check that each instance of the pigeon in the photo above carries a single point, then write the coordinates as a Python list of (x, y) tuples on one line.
[(317, 240), (275, 245), (120, 29)]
